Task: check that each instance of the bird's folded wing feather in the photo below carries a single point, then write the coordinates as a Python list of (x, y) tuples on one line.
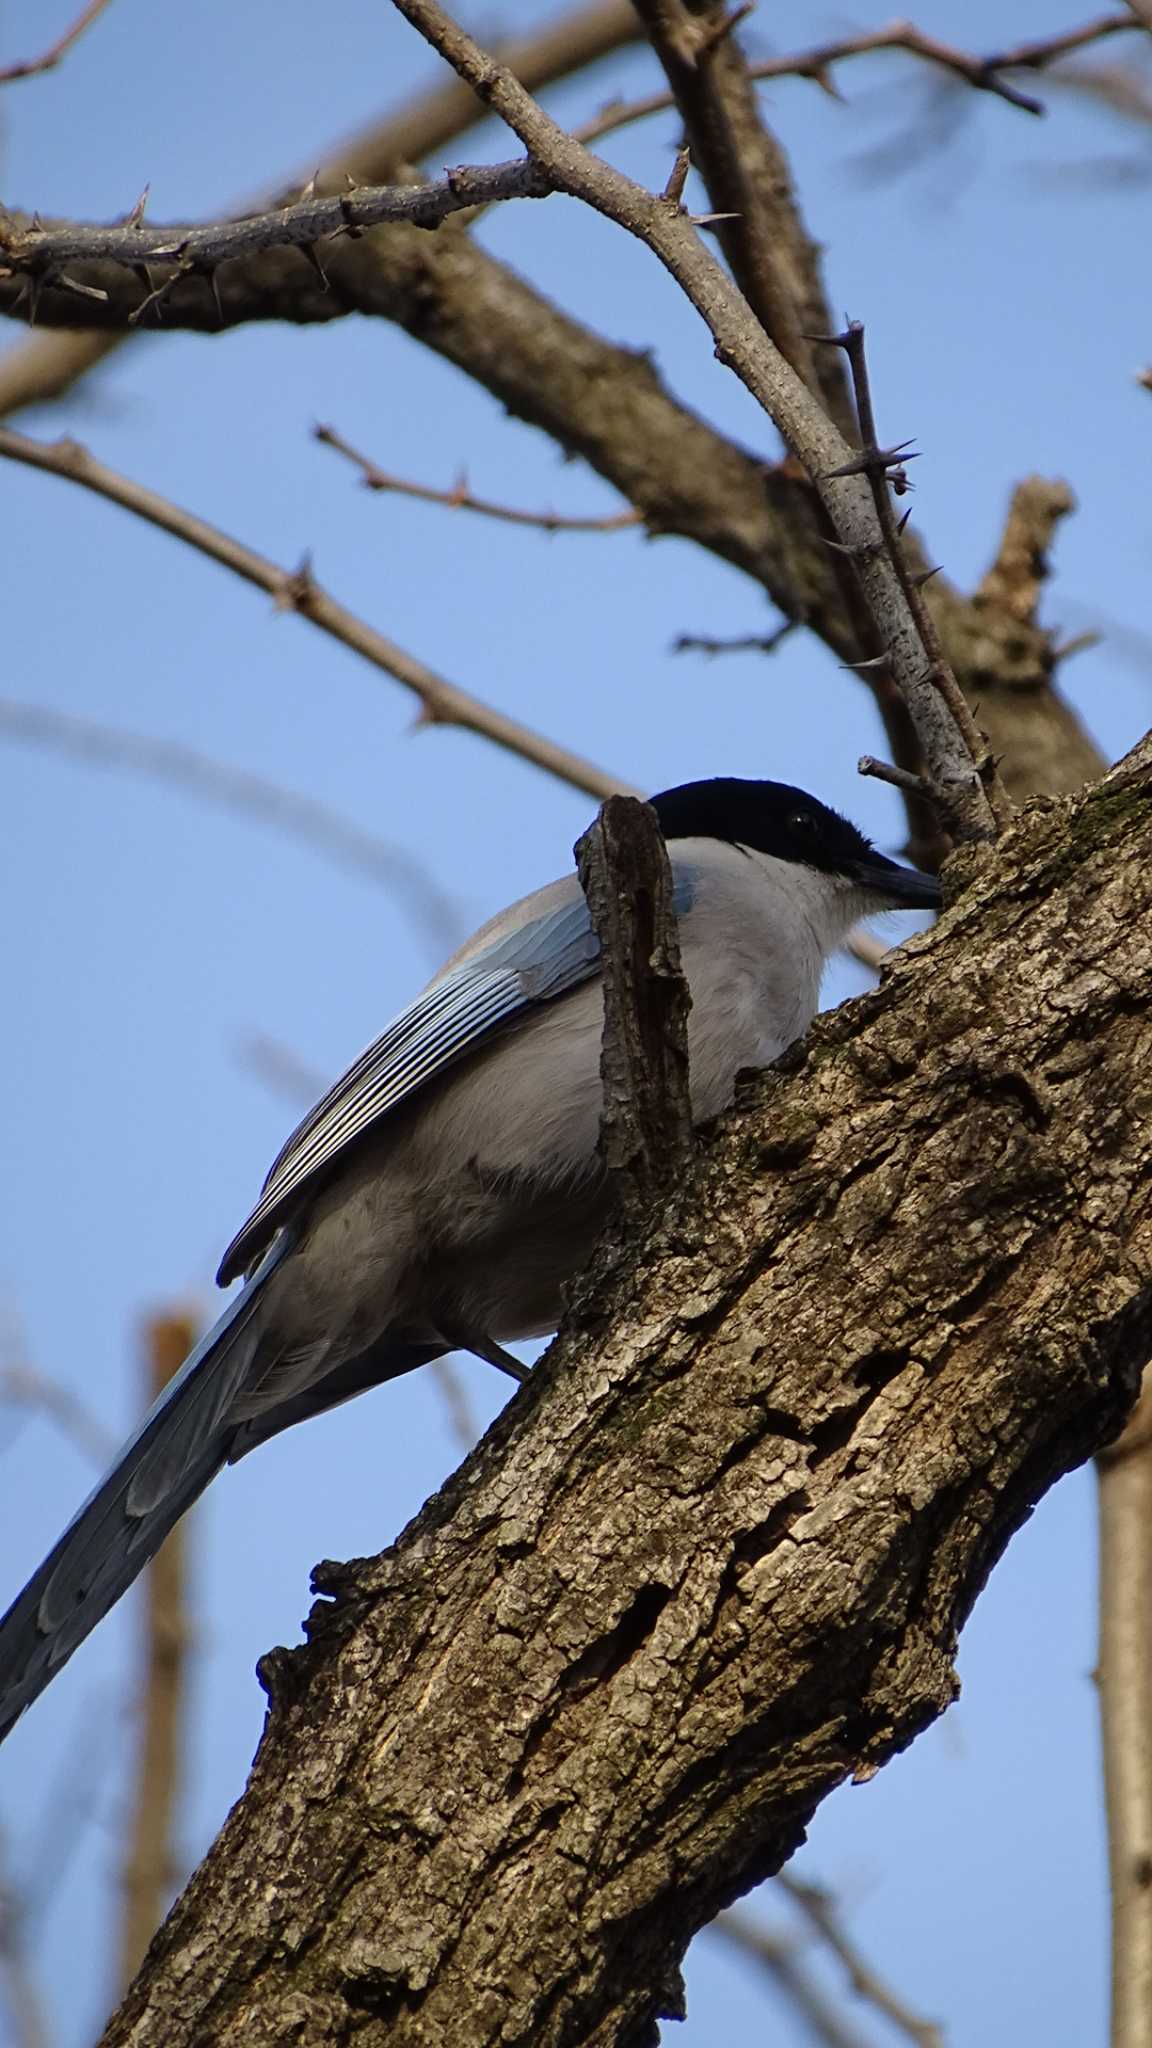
[(535, 964)]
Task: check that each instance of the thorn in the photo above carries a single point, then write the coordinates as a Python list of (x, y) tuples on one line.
[(821, 76), (873, 461), (902, 522), (73, 284), (860, 667), (923, 576), (426, 716), (308, 191), (707, 220), (677, 177), (828, 340), (296, 587), (134, 218), (31, 291), (723, 29), (311, 255), (856, 550)]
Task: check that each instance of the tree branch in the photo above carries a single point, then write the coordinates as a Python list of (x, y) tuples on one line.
[(776, 1956), (41, 253), (819, 1909), (646, 1121), (461, 499), (1125, 1679), (441, 702), (742, 346), (149, 1868), (712, 1560), (46, 366), (983, 74), (31, 67)]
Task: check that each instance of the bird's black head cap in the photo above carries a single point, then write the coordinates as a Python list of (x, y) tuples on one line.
[(778, 819)]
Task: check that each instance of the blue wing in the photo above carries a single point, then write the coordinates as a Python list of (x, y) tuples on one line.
[(543, 959), (540, 961)]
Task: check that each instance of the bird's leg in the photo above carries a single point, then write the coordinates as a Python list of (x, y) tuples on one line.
[(486, 1348)]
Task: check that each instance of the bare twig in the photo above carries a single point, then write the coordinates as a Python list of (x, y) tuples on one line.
[(42, 252), (1124, 1472), (30, 67), (441, 702), (984, 74), (646, 1117), (777, 1956), (899, 778), (461, 499), (301, 817), (819, 1908), (742, 346), (149, 1868), (746, 643), (27, 2023)]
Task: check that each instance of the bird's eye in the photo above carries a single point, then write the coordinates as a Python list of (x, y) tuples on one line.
[(801, 821)]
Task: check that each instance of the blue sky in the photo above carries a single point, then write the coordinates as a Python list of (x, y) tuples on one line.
[(148, 936)]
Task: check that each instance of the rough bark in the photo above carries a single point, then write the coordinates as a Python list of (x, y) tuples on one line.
[(713, 1560)]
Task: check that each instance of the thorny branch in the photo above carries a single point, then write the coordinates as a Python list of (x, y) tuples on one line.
[(983, 74), (743, 347), (41, 253), (48, 364), (461, 499), (441, 702)]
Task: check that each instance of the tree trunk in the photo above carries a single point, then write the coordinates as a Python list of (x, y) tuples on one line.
[(714, 1559)]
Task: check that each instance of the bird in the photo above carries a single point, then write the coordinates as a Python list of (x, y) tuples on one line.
[(444, 1192)]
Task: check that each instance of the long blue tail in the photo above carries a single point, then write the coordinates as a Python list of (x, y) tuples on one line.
[(180, 1445)]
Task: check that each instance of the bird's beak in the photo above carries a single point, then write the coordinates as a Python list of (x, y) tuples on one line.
[(901, 888)]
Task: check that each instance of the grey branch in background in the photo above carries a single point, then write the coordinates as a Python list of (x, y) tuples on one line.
[(819, 1907), (983, 74), (778, 1956), (326, 831)]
